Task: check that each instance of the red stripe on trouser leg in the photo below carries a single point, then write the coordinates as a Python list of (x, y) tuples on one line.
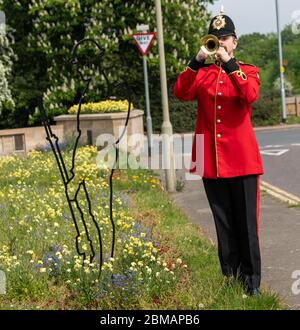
[(258, 206)]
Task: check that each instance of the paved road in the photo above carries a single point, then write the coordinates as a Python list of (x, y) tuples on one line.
[(280, 151), (285, 136)]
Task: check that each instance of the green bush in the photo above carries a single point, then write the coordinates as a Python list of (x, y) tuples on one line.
[(266, 111)]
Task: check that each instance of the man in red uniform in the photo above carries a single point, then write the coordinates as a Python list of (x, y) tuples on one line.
[(225, 91)]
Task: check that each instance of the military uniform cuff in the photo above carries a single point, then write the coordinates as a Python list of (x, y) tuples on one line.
[(230, 66), (195, 65)]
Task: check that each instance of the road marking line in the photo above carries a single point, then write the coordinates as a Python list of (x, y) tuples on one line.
[(274, 152), (280, 194)]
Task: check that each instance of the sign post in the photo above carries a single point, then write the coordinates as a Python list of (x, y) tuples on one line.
[(144, 41)]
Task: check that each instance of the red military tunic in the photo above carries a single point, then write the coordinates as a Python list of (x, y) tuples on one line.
[(223, 117)]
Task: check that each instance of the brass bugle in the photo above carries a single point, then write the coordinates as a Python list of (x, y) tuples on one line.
[(210, 44)]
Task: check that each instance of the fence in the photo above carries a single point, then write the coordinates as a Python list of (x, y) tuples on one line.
[(293, 106)]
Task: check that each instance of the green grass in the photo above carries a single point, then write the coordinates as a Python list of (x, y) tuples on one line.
[(203, 285), (293, 120), (166, 261)]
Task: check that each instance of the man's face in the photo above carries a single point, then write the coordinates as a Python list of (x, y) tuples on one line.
[(229, 43)]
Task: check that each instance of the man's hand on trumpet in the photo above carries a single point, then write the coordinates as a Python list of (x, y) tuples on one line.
[(201, 56), (222, 55)]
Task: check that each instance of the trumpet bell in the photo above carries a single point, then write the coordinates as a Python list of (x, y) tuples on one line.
[(210, 44)]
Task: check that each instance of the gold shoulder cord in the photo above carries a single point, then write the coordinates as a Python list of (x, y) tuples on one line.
[(239, 73)]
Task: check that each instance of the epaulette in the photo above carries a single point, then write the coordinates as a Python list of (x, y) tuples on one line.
[(243, 63)]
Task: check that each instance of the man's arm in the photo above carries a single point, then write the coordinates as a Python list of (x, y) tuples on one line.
[(185, 88), (246, 83)]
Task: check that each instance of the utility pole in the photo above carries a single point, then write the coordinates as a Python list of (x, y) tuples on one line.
[(167, 130), (281, 64)]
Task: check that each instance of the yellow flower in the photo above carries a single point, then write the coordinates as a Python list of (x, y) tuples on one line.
[(101, 107), (179, 261), (43, 270), (4, 248)]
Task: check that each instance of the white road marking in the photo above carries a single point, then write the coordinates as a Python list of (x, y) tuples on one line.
[(274, 152)]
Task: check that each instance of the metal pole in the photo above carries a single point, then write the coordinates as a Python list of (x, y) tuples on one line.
[(144, 29), (167, 129), (281, 64), (149, 119)]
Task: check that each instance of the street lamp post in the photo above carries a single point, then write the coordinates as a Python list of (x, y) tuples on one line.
[(281, 64), (167, 130)]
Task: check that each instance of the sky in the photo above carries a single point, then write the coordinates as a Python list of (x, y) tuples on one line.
[(258, 15), (255, 15)]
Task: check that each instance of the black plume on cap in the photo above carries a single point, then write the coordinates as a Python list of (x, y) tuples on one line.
[(222, 25)]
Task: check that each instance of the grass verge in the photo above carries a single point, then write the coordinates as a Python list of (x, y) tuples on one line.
[(202, 286), (161, 260)]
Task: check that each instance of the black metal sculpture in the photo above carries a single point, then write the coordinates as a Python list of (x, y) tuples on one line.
[(68, 176)]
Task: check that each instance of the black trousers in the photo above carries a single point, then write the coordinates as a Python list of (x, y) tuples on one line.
[(235, 206)]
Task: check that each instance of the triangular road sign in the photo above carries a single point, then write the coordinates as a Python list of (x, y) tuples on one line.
[(143, 41)]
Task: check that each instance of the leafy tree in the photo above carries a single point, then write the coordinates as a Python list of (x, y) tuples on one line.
[(262, 50), (45, 32), (6, 57)]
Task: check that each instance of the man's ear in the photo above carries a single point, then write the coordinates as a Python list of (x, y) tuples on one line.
[(235, 43)]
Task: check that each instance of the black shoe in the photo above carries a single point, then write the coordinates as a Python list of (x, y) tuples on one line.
[(254, 292)]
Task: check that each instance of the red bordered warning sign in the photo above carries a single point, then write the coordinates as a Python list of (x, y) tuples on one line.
[(143, 41)]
